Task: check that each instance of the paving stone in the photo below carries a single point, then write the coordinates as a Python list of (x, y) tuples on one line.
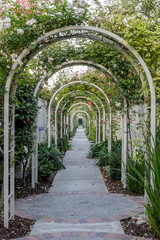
[(78, 205)]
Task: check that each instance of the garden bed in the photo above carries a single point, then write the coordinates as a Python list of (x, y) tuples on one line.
[(129, 225), (21, 227), (142, 230)]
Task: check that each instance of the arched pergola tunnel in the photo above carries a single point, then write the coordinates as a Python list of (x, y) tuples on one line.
[(84, 121), (70, 84), (86, 92), (84, 112), (26, 55), (82, 97), (124, 132), (99, 117), (99, 114), (35, 154)]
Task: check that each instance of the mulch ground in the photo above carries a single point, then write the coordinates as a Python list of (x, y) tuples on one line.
[(129, 225), (21, 227), (142, 230)]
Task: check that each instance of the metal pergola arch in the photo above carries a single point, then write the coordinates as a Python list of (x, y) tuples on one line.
[(82, 111), (67, 102), (26, 55), (70, 84), (79, 115), (99, 121), (82, 103)]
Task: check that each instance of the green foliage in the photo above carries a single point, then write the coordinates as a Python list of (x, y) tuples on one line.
[(25, 114), (63, 144), (71, 133), (153, 185), (49, 160), (115, 160), (138, 185), (151, 182), (103, 157), (95, 149), (138, 22)]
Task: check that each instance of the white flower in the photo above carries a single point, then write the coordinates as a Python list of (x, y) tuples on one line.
[(20, 31), (25, 149), (59, 13), (82, 3), (7, 25), (14, 56), (7, 20), (118, 104), (31, 22), (71, 6), (125, 20), (146, 18), (138, 7), (79, 11)]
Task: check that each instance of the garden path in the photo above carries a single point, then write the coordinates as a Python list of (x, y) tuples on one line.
[(78, 205)]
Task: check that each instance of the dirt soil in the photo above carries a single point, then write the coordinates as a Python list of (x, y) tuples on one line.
[(142, 230)]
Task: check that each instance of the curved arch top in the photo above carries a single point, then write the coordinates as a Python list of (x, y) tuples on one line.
[(54, 36), (67, 85)]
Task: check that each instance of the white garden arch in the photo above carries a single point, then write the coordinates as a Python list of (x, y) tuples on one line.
[(99, 119), (56, 135), (82, 111), (24, 58), (70, 84), (102, 105)]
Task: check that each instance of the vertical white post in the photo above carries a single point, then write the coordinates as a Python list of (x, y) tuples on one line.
[(110, 131), (67, 126), (96, 128), (146, 116), (33, 177), (55, 133), (125, 144), (64, 124), (12, 165), (49, 127), (104, 125), (6, 156), (123, 175), (36, 156), (99, 127), (61, 125)]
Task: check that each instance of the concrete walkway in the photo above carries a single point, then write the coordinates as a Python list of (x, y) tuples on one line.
[(78, 205)]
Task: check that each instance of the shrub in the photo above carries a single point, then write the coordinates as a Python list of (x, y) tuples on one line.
[(136, 186), (151, 183), (49, 160), (95, 149), (103, 157), (63, 144), (115, 160)]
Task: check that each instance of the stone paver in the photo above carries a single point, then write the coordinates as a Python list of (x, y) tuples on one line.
[(78, 205)]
